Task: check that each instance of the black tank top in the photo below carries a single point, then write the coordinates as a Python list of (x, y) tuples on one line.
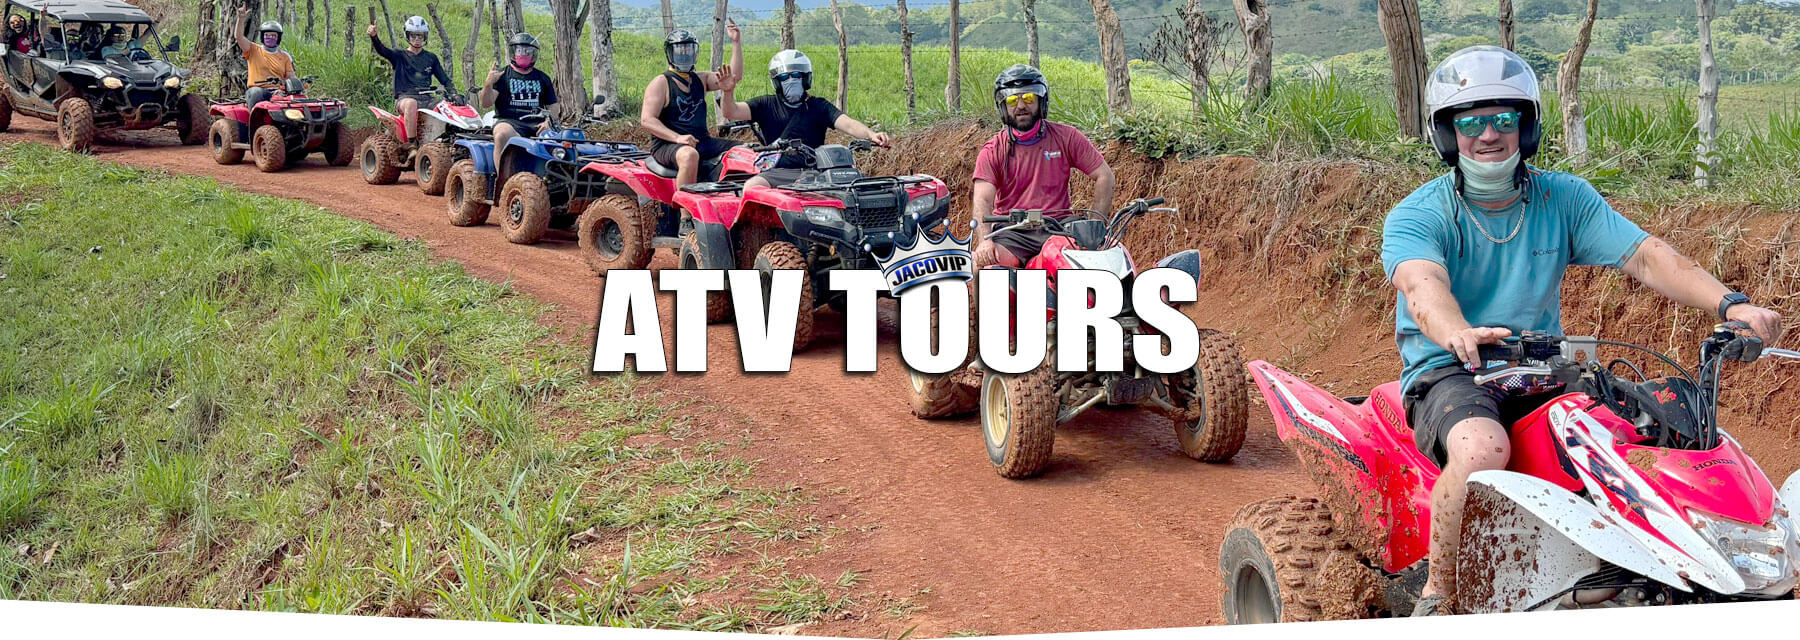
[(685, 112)]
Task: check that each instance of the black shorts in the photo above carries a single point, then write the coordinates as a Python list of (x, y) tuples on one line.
[(425, 101), (1442, 397), (518, 126), (778, 176), (709, 148), (1024, 244)]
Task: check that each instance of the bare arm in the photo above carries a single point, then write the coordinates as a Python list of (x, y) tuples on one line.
[(984, 207), (1429, 301), (656, 96), (1104, 186), (237, 31), (856, 128), (488, 94), (1660, 267)]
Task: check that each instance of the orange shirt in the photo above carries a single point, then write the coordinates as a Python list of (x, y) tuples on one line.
[(264, 65)]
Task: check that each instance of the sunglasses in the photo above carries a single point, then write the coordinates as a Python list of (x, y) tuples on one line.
[(1474, 126), (1017, 99), (789, 76)]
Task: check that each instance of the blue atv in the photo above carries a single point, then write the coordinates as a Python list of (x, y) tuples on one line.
[(539, 184)]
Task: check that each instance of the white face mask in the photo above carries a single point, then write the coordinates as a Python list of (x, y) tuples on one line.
[(792, 90), (1489, 181)]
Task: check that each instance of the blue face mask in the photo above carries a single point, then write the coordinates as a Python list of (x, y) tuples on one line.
[(792, 90)]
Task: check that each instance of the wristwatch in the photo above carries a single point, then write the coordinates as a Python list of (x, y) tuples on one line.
[(1733, 298)]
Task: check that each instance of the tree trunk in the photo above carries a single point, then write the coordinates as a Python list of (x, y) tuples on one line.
[(350, 33), (1198, 53), (468, 53), (1406, 56), (606, 78), (309, 20), (1031, 34), (1709, 99), (1259, 41), (494, 26), (388, 19), (1112, 57), (515, 18), (668, 17), (788, 9), (718, 35), (953, 81), (1568, 89), (446, 53), (1506, 25), (326, 8), (230, 61), (843, 76), (206, 34), (906, 42), (567, 17)]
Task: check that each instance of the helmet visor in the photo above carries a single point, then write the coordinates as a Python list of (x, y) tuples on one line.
[(524, 50), (683, 54), (1012, 95)]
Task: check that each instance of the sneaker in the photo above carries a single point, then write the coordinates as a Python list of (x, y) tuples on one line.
[(1432, 605)]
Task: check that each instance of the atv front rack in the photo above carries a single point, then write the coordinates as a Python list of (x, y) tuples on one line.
[(860, 183)]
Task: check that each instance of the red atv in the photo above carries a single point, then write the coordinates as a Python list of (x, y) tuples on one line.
[(1619, 492), (623, 230), (282, 129), (1020, 412)]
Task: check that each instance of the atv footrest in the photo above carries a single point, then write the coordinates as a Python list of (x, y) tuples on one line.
[(665, 242)]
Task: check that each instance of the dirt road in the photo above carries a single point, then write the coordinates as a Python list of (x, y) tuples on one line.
[(1121, 533)]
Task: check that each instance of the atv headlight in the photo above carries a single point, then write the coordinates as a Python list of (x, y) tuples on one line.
[(824, 215), (112, 82), (560, 153), (921, 205), (174, 82), (293, 114), (1762, 555)]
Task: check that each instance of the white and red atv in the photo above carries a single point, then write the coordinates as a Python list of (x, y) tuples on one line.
[(1619, 492), (384, 155)]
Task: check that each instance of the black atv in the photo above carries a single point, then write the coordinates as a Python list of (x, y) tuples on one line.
[(93, 65)]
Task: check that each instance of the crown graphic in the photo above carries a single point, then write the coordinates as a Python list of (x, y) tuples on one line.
[(920, 256)]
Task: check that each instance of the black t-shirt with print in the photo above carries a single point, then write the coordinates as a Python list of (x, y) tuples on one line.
[(520, 94), (807, 123)]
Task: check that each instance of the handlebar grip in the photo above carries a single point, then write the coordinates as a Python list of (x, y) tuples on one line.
[(994, 219), (1489, 352), (1153, 202)]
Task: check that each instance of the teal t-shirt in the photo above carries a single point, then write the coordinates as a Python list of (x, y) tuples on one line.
[(1516, 284)]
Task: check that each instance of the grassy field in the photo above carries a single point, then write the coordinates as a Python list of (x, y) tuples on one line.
[(220, 400)]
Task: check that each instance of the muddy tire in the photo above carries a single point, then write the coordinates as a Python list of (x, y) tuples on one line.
[(718, 303), (6, 108), (466, 189), (746, 240), (191, 122), (377, 158), (1018, 420), (219, 137), (340, 145), (75, 125), (1215, 399), (1271, 562), (271, 149), (940, 395), (615, 233), (776, 256), (432, 168), (524, 209)]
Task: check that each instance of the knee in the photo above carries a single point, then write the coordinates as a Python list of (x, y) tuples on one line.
[(687, 156), (408, 104), (988, 253), (757, 181), (1478, 444), (503, 131)]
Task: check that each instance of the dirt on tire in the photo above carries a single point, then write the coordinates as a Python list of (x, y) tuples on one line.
[(524, 209), (340, 146), (75, 125), (465, 191), (271, 149), (614, 232), (718, 303), (1279, 544), (1214, 422), (220, 136), (377, 159), (1018, 420), (193, 121), (943, 395), (432, 168), (777, 256)]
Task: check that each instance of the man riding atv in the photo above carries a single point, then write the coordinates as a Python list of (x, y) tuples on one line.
[(414, 69), (1026, 166), (519, 91), (1479, 254), (675, 105), (266, 64), (794, 114)]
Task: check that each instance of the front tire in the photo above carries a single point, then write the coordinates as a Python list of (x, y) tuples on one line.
[(525, 209), (190, 121), (220, 137), (777, 256), (271, 149), (718, 303), (75, 125), (1271, 562), (615, 233), (376, 154), (6, 108), (1215, 413), (940, 395), (466, 190), (1018, 420), (432, 168)]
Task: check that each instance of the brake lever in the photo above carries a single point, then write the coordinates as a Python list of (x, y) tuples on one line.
[(1785, 354), (1538, 370)]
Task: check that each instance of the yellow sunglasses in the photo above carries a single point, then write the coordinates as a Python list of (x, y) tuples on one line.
[(1027, 98)]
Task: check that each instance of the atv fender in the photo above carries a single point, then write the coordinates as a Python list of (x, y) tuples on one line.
[(640, 181), (715, 246), (481, 152), (1790, 495), (720, 210), (1525, 538), (1187, 261)]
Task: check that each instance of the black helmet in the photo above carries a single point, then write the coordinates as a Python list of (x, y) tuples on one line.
[(681, 50), (1017, 79)]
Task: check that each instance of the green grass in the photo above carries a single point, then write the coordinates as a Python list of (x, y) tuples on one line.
[(214, 399)]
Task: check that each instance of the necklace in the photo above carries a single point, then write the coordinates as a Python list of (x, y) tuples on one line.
[(1462, 202)]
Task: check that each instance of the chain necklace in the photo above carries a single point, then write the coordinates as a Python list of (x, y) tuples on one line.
[(1463, 202)]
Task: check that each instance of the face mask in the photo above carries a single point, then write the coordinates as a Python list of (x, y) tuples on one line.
[(1489, 181), (792, 90), (524, 61), (1028, 136), (271, 41)]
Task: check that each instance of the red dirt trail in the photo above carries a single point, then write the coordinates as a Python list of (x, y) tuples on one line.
[(1122, 532)]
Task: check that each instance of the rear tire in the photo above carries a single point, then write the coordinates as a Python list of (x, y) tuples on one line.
[(1018, 420), (1214, 395), (190, 123), (1271, 561), (220, 137), (271, 149), (718, 303), (340, 147), (75, 125), (377, 155), (776, 256), (525, 209), (940, 395), (6, 108), (615, 233), (432, 168), (466, 189)]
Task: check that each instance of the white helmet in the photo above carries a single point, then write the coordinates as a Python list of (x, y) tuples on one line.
[(791, 61), (1482, 76), (416, 24)]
